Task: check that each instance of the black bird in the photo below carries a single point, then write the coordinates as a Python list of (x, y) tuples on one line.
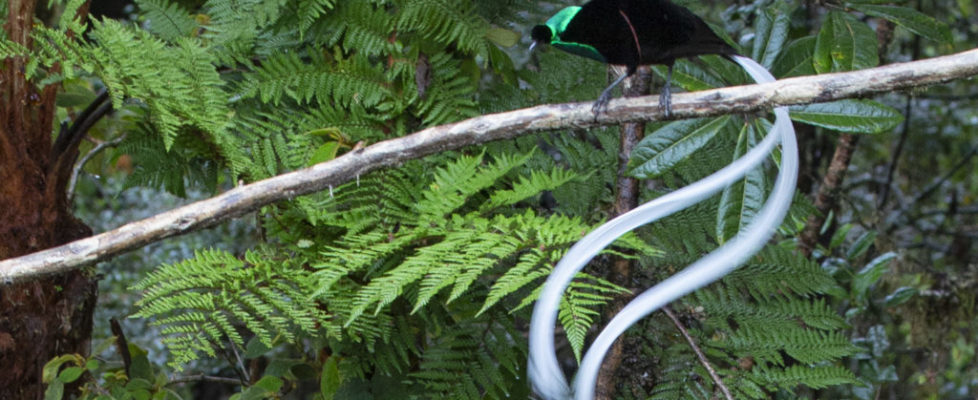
[(631, 33)]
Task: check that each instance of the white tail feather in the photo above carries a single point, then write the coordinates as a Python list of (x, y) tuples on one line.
[(544, 372)]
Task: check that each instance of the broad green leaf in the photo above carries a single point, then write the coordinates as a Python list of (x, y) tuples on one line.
[(871, 273), (140, 367), (303, 371), (851, 116), (330, 381), (708, 72), (50, 369), (270, 383), (730, 72), (741, 201), (844, 44), (673, 143), (691, 76), (55, 391), (771, 33), (502, 37), (966, 7), (70, 374), (900, 296), (839, 236), (325, 152), (255, 348), (796, 59), (915, 21), (861, 245)]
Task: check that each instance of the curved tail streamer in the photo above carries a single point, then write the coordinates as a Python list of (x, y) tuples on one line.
[(544, 371)]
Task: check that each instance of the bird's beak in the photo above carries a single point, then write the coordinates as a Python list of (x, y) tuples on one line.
[(533, 45)]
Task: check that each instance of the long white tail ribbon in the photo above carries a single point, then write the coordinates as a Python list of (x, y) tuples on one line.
[(544, 371)]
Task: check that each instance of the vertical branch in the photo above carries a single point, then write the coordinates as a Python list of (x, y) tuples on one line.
[(825, 200), (626, 198), (905, 130)]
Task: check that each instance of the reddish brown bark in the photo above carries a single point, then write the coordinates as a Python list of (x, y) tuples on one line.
[(825, 200), (45, 318)]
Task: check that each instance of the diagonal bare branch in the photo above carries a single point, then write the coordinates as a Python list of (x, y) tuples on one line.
[(506, 125)]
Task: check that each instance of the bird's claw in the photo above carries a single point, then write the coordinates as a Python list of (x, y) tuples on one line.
[(665, 103), (599, 106)]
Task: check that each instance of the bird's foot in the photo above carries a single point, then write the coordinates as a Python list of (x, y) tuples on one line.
[(665, 102), (601, 104)]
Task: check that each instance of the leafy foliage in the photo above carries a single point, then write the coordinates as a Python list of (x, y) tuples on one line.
[(214, 297), (415, 282), (768, 327)]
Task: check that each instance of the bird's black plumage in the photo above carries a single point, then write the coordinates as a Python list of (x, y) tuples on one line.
[(631, 33)]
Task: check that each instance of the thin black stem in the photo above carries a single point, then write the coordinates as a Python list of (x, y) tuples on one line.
[(930, 189), (85, 120), (122, 344), (699, 353), (897, 152), (904, 214), (76, 170), (903, 134)]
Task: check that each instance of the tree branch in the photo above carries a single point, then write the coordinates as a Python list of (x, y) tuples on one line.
[(827, 192), (247, 198)]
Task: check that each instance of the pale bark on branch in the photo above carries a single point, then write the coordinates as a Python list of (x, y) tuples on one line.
[(506, 125)]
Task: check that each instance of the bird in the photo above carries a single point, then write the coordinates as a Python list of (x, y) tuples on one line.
[(631, 33)]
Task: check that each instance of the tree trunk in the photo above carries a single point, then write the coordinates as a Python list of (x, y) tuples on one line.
[(48, 317)]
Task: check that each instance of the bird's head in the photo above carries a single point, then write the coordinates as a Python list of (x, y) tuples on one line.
[(541, 34), (555, 26)]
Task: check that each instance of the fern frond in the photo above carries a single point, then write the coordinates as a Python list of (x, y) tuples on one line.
[(166, 19), (219, 295), (344, 81), (310, 10), (817, 377), (446, 22)]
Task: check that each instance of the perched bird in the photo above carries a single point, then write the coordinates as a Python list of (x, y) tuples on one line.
[(631, 33)]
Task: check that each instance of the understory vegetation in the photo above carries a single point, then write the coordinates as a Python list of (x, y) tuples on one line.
[(418, 281)]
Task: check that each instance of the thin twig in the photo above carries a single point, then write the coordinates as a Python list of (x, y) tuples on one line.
[(76, 170), (699, 353), (904, 133), (904, 214), (204, 378), (245, 376), (897, 152), (930, 189)]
